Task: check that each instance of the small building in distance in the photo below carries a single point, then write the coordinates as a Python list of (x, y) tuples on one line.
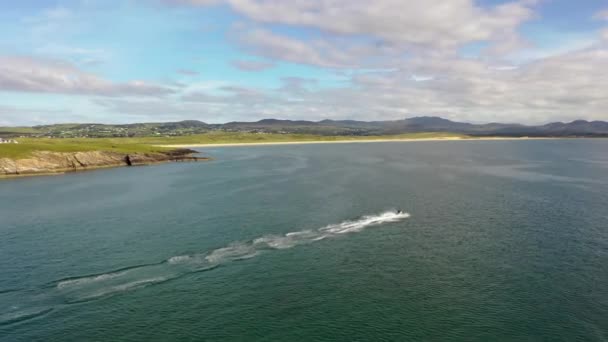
[(8, 141)]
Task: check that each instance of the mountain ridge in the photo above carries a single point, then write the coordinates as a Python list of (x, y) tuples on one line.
[(582, 128)]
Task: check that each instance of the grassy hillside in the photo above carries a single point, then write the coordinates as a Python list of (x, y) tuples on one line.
[(28, 145), (149, 144)]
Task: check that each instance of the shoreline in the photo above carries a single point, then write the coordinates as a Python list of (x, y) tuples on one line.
[(273, 143), (45, 163), (65, 171)]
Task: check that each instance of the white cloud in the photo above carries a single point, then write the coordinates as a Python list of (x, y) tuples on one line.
[(297, 85), (568, 45), (396, 58), (27, 74), (271, 45), (193, 2), (601, 15), (563, 87), (438, 24), (251, 65)]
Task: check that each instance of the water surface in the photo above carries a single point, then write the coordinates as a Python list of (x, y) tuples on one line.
[(505, 240)]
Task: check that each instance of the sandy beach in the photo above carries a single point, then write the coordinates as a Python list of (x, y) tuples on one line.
[(347, 141)]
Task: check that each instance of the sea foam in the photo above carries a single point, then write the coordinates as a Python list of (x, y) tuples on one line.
[(92, 287), (89, 280), (98, 286), (249, 249)]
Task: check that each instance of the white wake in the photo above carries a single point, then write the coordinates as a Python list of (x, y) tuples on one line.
[(101, 285)]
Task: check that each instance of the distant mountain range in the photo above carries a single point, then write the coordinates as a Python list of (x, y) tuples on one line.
[(578, 128)]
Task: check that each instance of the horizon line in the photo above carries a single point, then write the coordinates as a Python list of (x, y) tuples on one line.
[(304, 120)]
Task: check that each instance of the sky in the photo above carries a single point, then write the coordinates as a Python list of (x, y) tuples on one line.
[(124, 61)]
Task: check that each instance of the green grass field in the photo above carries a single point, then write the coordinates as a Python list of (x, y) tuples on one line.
[(149, 144), (28, 145)]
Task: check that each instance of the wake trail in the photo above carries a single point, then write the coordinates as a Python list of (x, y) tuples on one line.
[(92, 287)]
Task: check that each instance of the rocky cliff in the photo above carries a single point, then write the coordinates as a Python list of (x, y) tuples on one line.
[(43, 162)]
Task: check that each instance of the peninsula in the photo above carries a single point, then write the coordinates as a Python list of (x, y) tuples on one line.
[(43, 156)]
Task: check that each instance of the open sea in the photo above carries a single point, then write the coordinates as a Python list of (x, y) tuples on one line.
[(496, 241)]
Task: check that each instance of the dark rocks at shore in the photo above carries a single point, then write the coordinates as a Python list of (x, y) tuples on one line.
[(177, 155)]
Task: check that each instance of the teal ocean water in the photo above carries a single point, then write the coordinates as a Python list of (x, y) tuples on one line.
[(498, 241)]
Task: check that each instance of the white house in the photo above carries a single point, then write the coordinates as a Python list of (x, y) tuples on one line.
[(8, 141)]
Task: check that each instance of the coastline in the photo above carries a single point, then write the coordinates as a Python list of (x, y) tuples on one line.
[(311, 142), (44, 163), (59, 172)]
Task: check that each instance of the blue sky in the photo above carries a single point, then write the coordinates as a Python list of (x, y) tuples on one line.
[(221, 60)]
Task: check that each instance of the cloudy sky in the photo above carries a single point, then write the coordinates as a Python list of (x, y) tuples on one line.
[(529, 61)]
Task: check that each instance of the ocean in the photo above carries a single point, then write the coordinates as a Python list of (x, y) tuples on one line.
[(392, 241)]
